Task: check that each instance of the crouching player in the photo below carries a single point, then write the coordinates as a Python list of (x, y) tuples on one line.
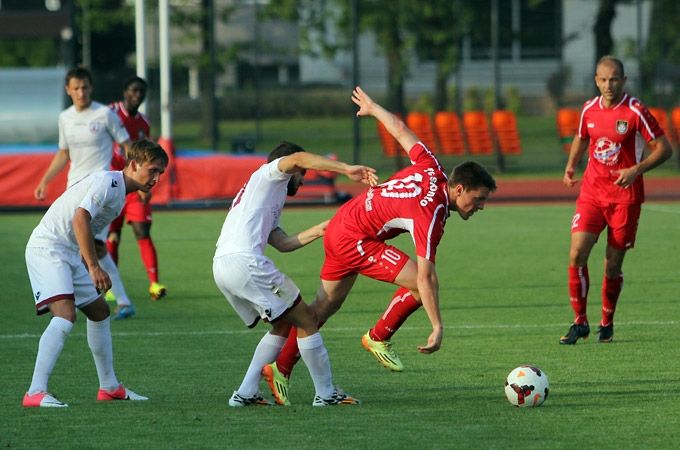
[(65, 273)]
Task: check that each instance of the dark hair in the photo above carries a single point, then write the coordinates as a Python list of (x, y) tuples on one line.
[(79, 73), (284, 149), (145, 150), (472, 176), (130, 81), (612, 60)]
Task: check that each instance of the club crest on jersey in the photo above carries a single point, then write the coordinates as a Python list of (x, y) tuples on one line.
[(621, 126), (94, 127)]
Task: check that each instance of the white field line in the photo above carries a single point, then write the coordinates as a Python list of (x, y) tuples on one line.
[(340, 330)]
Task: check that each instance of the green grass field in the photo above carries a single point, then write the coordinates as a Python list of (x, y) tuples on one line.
[(504, 303)]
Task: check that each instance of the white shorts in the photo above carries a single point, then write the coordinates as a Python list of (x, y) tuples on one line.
[(254, 287), (58, 274)]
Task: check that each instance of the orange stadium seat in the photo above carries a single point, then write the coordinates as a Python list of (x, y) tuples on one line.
[(421, 124), (661, 116), (449, 133), (567, 126), (389, 144), (477, 133), (675, 122), (504, 124)]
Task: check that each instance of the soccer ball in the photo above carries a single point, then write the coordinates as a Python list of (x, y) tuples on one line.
[(526, 386)]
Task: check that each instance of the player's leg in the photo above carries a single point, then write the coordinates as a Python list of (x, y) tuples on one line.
[(315, 356), (124, 307), (622, 231), (329, 298), (100, 342), (114, 236), (51, 280), (140, 219)]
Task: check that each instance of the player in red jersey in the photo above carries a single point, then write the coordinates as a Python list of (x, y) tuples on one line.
[(614, 128), (137, 208), (417, 200)]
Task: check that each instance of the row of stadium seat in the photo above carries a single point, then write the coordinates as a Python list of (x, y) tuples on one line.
[(567, 124), (444, 134)]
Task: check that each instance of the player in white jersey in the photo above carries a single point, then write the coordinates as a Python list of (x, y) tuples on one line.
[(87, 131), (65, 273), (254, 286)]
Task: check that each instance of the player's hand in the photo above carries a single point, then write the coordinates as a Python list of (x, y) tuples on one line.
[(362, 174), (626, 177), (568, 178), (434, 342), (40, 192), (100, 278), (363, 101)]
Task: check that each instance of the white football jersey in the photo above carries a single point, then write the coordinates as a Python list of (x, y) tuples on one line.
[(88, 135), (255, 212), (102, 194)]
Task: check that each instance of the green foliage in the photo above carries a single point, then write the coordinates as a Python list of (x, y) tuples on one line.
[(662, 54), (472, 100), (425, 104), (503, 300), (513, 102), (29, 52)]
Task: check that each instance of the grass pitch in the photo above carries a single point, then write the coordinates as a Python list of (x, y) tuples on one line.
[(504, 303)]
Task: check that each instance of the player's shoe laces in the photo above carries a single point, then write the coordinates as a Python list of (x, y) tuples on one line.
[(124, 312), (237, 400), (383, 351), (121, 393), (338, 398), (606, 333), (278, 383), (109, 297), (41, 400), (575, 333), (157, 291)]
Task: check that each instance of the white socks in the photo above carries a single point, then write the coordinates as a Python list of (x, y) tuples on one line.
[(49, 348), (116, 283), (315, 356), (99, 340), (266, 352)]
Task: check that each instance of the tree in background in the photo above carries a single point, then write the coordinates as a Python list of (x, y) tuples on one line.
[(661, 59)]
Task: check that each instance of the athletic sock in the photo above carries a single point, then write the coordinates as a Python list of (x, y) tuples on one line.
[(265, 352), (149, 257), (290, 354), (579, 283), (49, 348), (116, 283), (99, 340), (403, 304), (315, 356), (611, 289)]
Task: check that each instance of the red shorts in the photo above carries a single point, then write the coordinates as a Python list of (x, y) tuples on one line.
[(346, 256), (620, 219), (135, 210)]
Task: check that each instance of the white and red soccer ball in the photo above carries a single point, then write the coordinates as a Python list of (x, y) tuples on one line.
[(526, 386)]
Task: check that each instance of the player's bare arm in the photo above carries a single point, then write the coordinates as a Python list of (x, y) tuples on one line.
[(85, 239), (61, 158), (396, 127), (285, 243), (659, 152), (428, 289), (304, 160), (578, 148)]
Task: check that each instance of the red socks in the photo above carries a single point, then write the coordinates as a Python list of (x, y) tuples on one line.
[(149, 258), (579, 283), (289, 355), (402, 305), (611, 289)]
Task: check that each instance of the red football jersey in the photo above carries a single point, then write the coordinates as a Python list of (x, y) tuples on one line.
[(137, 126), (617, 141), (414, 200)]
